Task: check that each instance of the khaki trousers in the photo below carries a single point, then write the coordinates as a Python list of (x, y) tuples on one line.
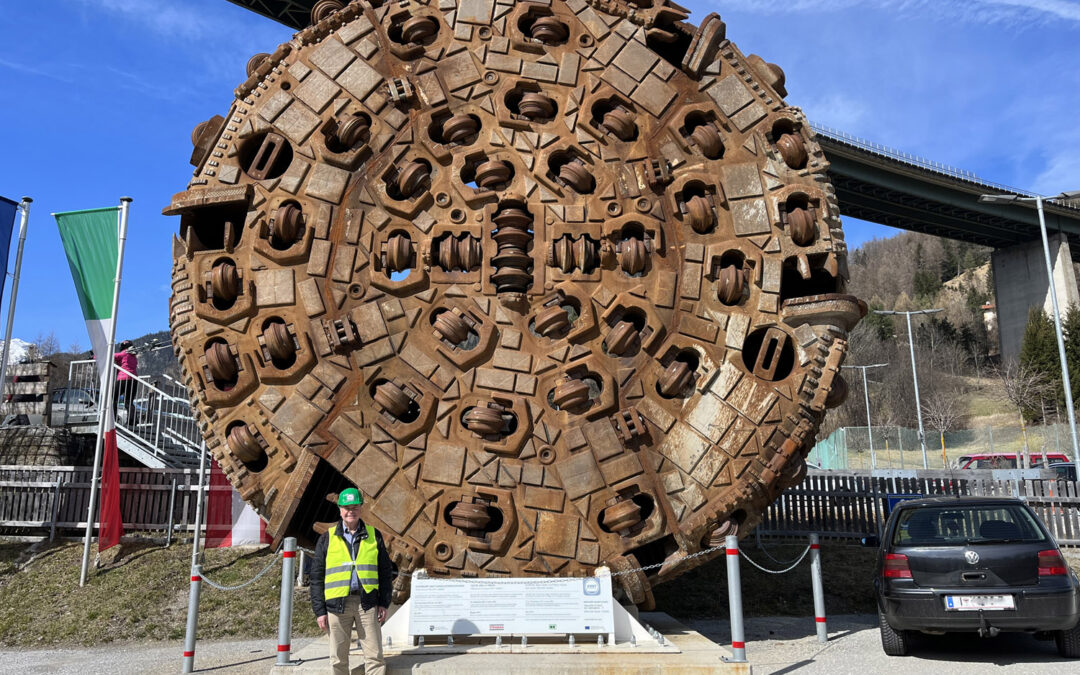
[(367, 627)]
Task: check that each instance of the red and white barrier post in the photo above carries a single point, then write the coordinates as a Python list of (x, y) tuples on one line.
[(734, 582), (819, 589), (288, 578), (192, 618)]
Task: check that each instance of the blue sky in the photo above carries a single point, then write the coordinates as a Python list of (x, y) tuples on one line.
[(102, 96)]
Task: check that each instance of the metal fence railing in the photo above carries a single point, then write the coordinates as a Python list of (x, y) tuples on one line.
[(854, 504), (154, 414), (39, 498), (899, 448), (834, 504)]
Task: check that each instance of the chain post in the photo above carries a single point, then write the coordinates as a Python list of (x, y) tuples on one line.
[(738, 633), (192, 618), (55, 509), (288, 560), (172, 510), (819, 589)]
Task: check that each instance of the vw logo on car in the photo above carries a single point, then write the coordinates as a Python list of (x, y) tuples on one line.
[(972, 557)]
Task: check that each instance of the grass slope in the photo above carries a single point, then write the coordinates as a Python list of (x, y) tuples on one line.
[(143, 595)]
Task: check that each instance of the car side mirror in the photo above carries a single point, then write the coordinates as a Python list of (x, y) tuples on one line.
[(870, 542)]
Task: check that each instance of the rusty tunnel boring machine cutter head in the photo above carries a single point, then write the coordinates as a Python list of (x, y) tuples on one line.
[(555, 285)]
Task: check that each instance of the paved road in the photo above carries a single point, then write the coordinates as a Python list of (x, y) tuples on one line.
[(786, 645), (250, 657), (775, 646)]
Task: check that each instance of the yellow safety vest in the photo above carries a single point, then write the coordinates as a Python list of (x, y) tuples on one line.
[(340, 566)]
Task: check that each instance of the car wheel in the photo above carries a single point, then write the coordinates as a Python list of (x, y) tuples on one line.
[(894, 642), (1068, 642)]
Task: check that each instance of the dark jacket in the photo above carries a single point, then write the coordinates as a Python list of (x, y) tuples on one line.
[(380, 596)]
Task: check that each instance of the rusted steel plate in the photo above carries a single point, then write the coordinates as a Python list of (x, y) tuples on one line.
[(555, 284)]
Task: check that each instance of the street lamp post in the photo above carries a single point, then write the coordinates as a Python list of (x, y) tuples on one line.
[(1075, 194), (914, 374), (866, 397)]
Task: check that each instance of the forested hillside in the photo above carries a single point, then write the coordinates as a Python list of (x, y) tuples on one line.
[(914, 271), (957, 359)]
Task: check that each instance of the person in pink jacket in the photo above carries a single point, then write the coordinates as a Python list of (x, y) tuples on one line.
[(125, 384)]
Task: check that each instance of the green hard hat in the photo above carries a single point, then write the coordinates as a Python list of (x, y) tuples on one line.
[(350, 497)]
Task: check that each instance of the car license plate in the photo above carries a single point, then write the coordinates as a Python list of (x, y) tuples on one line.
[(970, 603)]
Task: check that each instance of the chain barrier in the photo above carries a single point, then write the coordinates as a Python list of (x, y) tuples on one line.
[(654, 566), (258, 576), (761, 547), (783, 571), (630, 571)]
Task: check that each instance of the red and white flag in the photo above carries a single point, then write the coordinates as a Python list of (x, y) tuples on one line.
[(230, 521), (93, 248)]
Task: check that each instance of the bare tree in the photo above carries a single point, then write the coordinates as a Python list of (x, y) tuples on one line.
[(1027, 390), (941, 412), (44, 347)]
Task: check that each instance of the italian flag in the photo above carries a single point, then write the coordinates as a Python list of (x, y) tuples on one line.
[(91, 242), (230, 521)]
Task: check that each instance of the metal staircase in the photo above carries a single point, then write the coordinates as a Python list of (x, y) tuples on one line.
[(157, 429)]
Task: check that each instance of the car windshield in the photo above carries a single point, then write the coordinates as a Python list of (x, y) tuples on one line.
[(966, 524), (996, 463)]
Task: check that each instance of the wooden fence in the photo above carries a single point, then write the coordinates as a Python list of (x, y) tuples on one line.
[(42, 497), (855, 504), (834, 504)]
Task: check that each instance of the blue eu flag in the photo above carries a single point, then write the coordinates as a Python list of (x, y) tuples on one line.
[(8, 210)]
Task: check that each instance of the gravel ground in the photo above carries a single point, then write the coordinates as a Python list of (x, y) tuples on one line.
[(774, 645), (242, 658), (788, 645)]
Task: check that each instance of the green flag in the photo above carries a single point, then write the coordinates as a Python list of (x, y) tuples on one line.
[(91, 243)]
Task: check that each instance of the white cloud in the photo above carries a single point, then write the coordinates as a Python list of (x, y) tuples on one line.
[(1059, 8), (835, 109), (168, 19), (1023, 12), (41, 70), (215, 37), (1061, 172)]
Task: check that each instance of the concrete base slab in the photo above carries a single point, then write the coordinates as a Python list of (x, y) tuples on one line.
[(687, 652)]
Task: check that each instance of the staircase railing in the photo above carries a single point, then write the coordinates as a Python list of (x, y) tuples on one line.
[(154, 413)]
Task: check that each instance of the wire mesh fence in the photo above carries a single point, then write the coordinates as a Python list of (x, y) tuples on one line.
[(893, 447)]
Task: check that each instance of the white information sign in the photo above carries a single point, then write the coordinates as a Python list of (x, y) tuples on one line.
[(510, 606)]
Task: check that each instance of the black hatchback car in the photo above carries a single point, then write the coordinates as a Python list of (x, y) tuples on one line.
[(973, 564)]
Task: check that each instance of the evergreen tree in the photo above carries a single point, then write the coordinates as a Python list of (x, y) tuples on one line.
[(881, 324), (950, 262), (1071, 328), (927, 284), (1038, 351), (971, 260)]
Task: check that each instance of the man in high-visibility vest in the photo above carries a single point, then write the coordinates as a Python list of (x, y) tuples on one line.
[(350, 584)]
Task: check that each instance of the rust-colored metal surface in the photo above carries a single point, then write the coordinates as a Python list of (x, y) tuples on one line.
[(554, 284)]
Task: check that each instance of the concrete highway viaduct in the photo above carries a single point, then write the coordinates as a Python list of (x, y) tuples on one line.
[(888, 187)]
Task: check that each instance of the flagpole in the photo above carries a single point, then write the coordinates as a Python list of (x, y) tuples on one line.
[(25, 206), (105, 404), (200, 510)]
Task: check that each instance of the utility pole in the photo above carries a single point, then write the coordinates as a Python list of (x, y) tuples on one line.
[(914, 374), (866, 398), (1038, 200)]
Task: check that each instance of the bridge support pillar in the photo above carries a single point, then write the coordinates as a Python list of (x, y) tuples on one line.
[(1020, 283)]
